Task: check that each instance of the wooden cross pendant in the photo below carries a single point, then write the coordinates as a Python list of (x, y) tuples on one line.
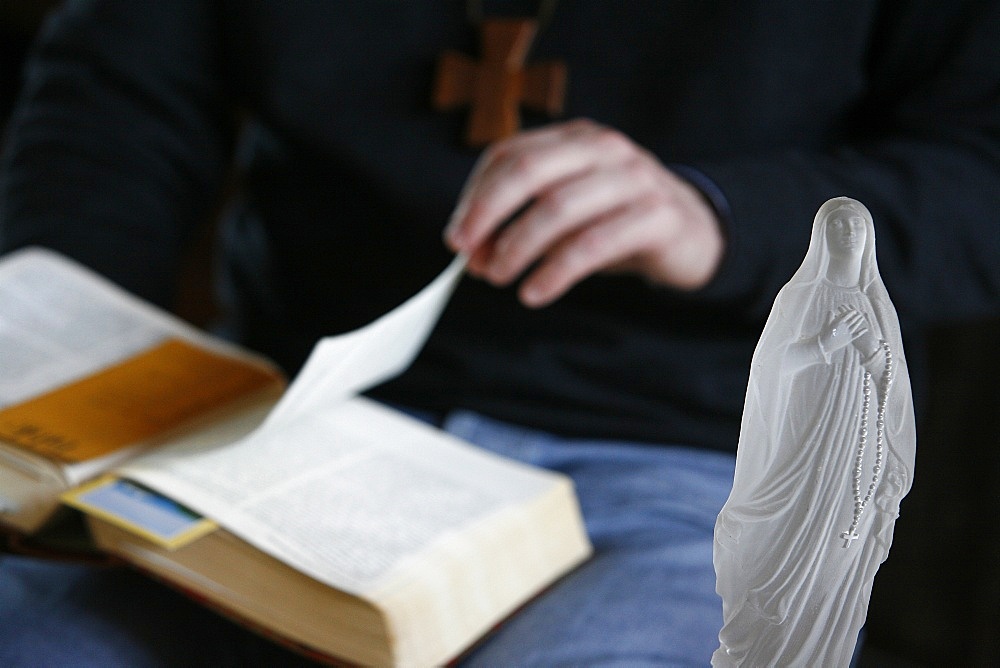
[(500, 83)]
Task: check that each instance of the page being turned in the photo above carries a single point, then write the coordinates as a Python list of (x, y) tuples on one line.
[(344, 365)]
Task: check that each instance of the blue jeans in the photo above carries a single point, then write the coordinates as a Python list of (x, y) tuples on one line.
[(647, 597)]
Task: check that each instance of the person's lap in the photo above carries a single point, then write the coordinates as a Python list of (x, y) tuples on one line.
[(646, 597), (54, 614)]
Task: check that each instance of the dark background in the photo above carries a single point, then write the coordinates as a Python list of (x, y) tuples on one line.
[(936, 601)]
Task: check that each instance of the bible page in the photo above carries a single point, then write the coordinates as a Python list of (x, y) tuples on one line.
[(344, 365), (347, 495), (59, 322)]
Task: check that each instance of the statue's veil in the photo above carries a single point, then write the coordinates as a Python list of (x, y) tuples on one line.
[(814, 264)]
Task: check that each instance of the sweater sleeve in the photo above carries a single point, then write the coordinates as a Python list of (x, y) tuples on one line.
[(923, 153), (118, 146)]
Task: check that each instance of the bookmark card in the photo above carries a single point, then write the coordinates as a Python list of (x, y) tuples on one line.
[(140, 510)]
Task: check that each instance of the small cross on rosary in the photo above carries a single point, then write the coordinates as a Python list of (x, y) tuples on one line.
[(849, 537), (500, 83)]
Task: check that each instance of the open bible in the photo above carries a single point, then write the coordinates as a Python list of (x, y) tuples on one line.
[(342, 527)]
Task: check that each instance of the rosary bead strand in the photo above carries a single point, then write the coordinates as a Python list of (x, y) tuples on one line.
[(861, 503)]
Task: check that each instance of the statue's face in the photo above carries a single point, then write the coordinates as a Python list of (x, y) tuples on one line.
[(845, 233)]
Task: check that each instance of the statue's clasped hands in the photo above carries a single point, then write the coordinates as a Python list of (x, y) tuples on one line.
[(848, 325)]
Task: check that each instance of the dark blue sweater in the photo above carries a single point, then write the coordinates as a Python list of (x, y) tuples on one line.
[(347, 176)]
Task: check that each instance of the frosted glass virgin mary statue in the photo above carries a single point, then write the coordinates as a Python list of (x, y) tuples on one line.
[(826, 452)]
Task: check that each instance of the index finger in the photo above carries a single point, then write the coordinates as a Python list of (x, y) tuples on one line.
[(512, 173)]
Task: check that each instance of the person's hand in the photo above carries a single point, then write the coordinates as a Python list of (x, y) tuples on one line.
[(581, 198)]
